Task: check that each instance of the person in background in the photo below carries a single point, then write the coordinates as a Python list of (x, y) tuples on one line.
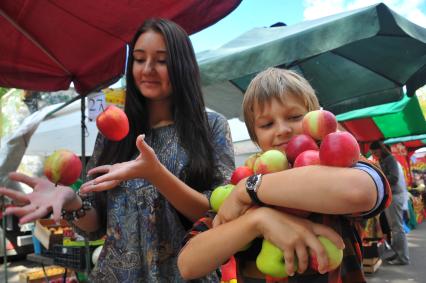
[(274, 105), (179, 153), (395, 212)]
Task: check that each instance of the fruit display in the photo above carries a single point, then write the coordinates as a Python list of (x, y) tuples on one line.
[(62, 167)]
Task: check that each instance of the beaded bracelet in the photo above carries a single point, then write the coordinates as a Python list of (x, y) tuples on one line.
[(77, 214)]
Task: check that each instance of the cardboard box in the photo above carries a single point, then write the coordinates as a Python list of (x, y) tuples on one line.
[(36, 275), (48, 232)]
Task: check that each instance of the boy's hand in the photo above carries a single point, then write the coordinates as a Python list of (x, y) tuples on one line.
[(234, 205), (295, 237)]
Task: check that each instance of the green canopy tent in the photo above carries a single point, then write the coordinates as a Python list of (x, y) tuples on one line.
[(353, 60), (401, 121)]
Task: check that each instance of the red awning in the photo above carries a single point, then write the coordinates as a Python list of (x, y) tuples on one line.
[(46, 45)]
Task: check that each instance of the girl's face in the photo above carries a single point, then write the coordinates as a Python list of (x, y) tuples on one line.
[(277, 122), (149, 66)]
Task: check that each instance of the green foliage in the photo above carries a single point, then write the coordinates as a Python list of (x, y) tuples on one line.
[(3, 90), (13, 112)]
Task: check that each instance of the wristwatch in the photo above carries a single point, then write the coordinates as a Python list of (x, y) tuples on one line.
[(252, 185)]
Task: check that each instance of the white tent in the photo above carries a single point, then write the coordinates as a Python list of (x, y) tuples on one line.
[(62, 130)]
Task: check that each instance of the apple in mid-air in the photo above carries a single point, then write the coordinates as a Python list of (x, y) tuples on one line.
[(62, 167), (113, 123)]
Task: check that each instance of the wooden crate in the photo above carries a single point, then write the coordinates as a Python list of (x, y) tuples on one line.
[(371, 264)]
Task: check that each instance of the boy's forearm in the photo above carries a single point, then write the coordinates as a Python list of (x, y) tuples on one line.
[(321, 189), (210, 249)]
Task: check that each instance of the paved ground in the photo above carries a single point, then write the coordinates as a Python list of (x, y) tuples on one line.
[(416, 271), (413, 273)]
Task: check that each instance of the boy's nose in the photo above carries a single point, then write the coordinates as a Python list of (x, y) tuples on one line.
[(284, 129)]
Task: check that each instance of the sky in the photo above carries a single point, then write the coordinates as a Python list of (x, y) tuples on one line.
[(263, 13)]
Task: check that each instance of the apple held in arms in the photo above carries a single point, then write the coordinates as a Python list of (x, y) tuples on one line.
[(270, 161), (298, 144), (113, 123), (270, 260), (62, 167), (219, 195), (251, 160), (319, 123), (339, 149), (240, 173)]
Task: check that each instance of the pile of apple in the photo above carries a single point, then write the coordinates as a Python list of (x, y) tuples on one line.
[(320, 144)]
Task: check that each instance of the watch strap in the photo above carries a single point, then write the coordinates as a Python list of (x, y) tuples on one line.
[(252, 185)]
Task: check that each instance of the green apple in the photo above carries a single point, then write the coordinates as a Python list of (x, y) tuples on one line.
[(270, 261), (251, 160), (270, 161), (219, 195), (335, 255)]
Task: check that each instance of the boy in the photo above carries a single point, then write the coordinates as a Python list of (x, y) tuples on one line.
[(274, 106)]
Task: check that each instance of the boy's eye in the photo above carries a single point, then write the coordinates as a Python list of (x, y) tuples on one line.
[(266, 125), (296, 117)]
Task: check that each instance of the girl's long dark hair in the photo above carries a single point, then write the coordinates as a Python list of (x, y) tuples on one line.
[(189, 113)]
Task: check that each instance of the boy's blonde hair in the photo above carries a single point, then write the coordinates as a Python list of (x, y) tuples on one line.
[(275, 83)]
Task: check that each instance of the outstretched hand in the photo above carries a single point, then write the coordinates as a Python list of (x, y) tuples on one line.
[(45, 198), (144, 166)]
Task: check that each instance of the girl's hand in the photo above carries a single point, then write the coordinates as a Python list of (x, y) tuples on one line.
[(295, 236), (233, 206), (144, 166), (45, 198)]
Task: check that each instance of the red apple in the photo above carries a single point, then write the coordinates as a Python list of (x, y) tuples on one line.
[(240, 173), (308, 157), (298, 144), (319, 123), (62, 167), (270, 161), (113, 123), (339, 149)]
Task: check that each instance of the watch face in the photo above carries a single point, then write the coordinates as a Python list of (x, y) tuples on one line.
[(251, 181)]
